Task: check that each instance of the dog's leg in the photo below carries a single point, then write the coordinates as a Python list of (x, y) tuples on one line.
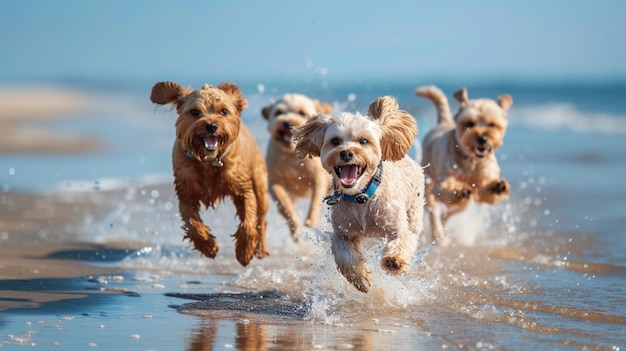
[(247, 234), (286, 209), (450, 211), (453, 193), (195, 230), (433, 210), (399, 251), (260, 190), (320, 189), (494, 191), (350, 261)]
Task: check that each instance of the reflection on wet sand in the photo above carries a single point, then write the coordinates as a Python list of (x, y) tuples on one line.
[(251, 335)]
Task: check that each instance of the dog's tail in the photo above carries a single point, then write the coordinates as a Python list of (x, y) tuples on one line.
[(438, 98)]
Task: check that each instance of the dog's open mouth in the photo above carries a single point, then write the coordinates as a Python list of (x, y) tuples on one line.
[(349, 174), (284, 136), (210, 142), (481, 151)]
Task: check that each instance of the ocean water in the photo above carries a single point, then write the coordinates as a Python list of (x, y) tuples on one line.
[(545, 269)]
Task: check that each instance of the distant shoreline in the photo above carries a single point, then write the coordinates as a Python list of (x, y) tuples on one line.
[(24, 112)]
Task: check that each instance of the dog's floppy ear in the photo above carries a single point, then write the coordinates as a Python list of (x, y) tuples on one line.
[(399, 127), (310, 136), (461, 96), (265, 111), (322, 107), (233, 90), (168, 92), (505, 101)]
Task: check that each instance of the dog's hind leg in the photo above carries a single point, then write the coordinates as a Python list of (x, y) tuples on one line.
[(286, 209), (195, 230), (433, 210), (350, 261), (321, 188)]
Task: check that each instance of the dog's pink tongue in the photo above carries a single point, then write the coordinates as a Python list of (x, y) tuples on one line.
[(287, 136), (349, 175), (210, 142)]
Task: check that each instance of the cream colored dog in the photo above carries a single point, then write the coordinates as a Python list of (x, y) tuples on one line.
[(291, 178), (378, 190), (458, 154)]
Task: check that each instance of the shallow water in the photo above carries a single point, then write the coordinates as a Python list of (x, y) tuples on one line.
[(542, 270)]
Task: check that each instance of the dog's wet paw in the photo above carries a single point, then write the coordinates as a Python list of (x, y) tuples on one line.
[(208, 250), (360, 281), (500, 187), (261, 253), (394, 265), (462, 193)]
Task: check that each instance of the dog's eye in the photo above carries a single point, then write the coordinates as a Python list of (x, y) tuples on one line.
[(194, 112), (224, 112), (491, 125), (469, 125), (302, 113), (363, 141), (335, 141)]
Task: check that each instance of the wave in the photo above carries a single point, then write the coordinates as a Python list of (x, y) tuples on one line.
[(569, 117), (110, 184)]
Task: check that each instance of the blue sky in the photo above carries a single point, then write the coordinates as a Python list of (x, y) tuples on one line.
[(342, 40)]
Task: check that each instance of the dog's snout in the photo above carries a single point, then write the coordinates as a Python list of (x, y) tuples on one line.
[(287, 125), (346, 155), (482, 140), (211, 128)]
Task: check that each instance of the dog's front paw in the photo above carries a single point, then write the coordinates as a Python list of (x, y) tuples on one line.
[(394, 265), (463, 193), (459, 197), (360, 281), (261, 252), (495, 191), (208, 248), (500, 187)]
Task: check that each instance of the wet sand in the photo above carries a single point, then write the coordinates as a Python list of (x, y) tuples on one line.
[(41, 252), (41, 256)]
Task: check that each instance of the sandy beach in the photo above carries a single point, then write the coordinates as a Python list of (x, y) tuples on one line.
[(38, 232), (91, 251)]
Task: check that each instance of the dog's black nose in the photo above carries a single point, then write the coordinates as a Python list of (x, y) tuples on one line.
[(346, 155), (481, 140), (211, 128), (287, 125)]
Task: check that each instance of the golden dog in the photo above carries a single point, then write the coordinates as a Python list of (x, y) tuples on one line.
[(458, 154), (291, 178), (216, 156)]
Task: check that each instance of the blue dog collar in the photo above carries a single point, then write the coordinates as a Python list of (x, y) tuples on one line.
[(361, 197)]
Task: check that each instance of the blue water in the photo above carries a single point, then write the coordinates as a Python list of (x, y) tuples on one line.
[(532, 271)]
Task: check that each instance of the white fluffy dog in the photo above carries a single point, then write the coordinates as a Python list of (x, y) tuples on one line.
[(378, 189)]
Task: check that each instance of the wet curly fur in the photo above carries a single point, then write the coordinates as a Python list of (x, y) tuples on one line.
[(292, 178), (458, 154), (351, 147), (215, 156)]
